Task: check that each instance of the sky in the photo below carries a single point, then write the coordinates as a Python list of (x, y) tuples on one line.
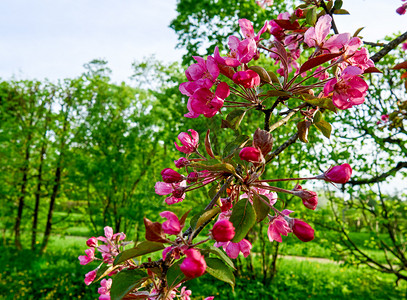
[(54, 38)]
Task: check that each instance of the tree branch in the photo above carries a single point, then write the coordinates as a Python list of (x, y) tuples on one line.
[(280, 149), (381, 177), (388, 47)]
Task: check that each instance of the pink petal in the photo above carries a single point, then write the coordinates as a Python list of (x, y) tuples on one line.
[(162, 188)]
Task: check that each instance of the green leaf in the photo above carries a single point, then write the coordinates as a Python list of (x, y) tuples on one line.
[(144, 247), (243, 219), (235, 117), (311, 17), (263, 74), (239, 141), (324, 127), (320, 102), (222, 255), (358, 31), (125, 281), (207, 216), (174, 274), (273, 77), (317, 116), (341, 12), (338, 4), (260, 207), (219, 270)]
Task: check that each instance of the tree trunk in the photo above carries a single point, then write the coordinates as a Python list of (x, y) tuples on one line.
[(17, 239)]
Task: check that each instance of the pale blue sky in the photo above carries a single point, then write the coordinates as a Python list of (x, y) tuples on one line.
[(54, 38)]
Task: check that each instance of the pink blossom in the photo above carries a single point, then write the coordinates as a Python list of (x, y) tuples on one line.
[(278, 225), (251, 154), (264, 3), (104, 289), (89, 257), (171, 176), (184, 294), (303, 231), (338, 174), (315, 36), (203, 73), (360, 59), (272, 196), (385, 118), (89, 277), (223, 231), (247, 29), (233, 249), (275, 29), (322, 75), (404, 46), (92, 242), (248, 79), (176, 189), (172, 225), (108, 232), (204, 102), (241, 52), (349, 90), (194, 264), (189, 142), (209, 298)]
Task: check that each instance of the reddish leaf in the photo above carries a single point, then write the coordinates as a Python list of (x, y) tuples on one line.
[(208, 146), (303, 127), (154, 231), (399, 66), (227, 71), (318, 60), (263, 140), (404, 75), (372, 70), (286, 24), (184, 217)]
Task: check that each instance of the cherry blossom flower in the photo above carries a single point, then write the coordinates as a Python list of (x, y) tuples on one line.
[(279, 226), (90, 277), (172, 225), (233, 249), (241, 52), (204, 102), (104, 289), (184, 293), (247, 29), (189, 141), (203, 73), (176, 189), (89, 257), (194, 264), (264, 3), (349, 90)]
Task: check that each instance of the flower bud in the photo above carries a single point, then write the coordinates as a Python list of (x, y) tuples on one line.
[(251, 154), (171, 176), (92, 242), (181, 162), (401, 10), (223, 231), (309, 198), (189, 142), (303, 231), (339, 174), (194, 264), (299, 13), (192, 177), (247, 79)]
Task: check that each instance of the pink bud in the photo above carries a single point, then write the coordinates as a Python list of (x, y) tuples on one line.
[(171, 176), (192, 177), (303, 231), (89, 257), (339, 174), (299, 13), (189, 142), (309, 198), (172, 225), (194, 264), (401, 10), (247, 79), (181, 162), (92, 242), (89, 277), (223, 231), (250, 154)]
